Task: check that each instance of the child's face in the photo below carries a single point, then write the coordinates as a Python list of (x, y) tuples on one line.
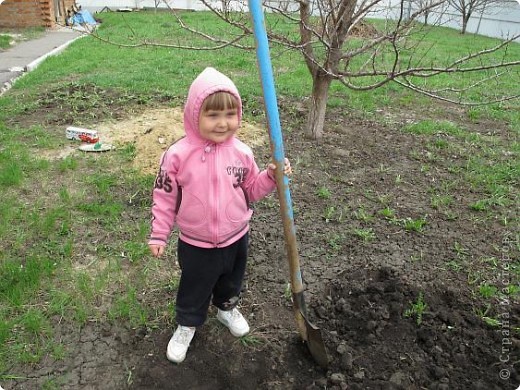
[(218, 125)]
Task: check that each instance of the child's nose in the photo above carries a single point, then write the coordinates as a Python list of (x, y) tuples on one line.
[(222, 121)]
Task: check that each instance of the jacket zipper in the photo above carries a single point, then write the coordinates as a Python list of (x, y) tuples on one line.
[(215, 194)]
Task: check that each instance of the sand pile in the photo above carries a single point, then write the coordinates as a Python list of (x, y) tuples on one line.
[(154, 131)]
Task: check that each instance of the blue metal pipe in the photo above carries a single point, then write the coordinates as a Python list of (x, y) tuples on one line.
[(270, 101), (275, 133)]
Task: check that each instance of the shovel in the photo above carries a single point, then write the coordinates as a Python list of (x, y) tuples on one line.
[(309, 332)]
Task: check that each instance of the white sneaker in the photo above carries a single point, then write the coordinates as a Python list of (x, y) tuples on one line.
[(235, 322), (179, 343)]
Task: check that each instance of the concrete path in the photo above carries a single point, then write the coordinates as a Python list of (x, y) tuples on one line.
[(26, 56)]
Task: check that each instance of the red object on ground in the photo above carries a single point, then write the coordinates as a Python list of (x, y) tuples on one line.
[(88, 138)]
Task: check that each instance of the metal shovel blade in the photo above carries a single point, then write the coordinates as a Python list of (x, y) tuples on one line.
[(310, 333), (316, 345)]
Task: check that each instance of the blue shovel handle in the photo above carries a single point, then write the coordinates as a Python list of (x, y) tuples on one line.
[(308, 331), (275, 133)]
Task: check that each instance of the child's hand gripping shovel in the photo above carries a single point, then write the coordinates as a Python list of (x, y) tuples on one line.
[(310, 333)]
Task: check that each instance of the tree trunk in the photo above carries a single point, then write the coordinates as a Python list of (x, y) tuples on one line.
[(465, 19), (320, 93)]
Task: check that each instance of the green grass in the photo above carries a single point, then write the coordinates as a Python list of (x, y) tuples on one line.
[(489, 166), (5, 41), (430, 127), (387, 212), (323, 192), (362, 215), (365, 234), (250, 341), (417, 309), (8, 37), (73, 231), (415, 225), (487, 291)]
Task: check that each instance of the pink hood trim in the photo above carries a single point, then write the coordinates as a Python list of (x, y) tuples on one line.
[(207, 83)]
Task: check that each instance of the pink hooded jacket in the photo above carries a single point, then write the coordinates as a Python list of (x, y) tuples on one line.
[(202, 187)]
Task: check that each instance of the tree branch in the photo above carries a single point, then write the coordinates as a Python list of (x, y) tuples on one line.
[(433, 95)]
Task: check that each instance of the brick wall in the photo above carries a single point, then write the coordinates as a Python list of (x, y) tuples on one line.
[(31, 13)]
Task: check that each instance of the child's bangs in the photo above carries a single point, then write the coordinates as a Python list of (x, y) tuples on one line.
[(220, 101)]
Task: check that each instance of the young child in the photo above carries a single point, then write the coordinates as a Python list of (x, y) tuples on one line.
[(204, 186)]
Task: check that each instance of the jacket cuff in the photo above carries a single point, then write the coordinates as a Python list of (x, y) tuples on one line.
[(157, 241)]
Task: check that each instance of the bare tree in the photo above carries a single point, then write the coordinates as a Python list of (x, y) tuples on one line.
[(466, 8), (426, 5), (338, 46)]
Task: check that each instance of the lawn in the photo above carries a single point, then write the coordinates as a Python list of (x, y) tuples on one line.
[(407, 216)]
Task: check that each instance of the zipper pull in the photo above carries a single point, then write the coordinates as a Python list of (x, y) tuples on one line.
[(207, 149)]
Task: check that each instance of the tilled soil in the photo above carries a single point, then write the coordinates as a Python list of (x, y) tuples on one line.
[(363, 271)]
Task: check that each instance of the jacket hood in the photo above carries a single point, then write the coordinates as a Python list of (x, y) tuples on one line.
[(207, 83)]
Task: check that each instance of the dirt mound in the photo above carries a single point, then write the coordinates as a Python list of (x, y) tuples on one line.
[(364, 30), (384, 333), (154, 131)]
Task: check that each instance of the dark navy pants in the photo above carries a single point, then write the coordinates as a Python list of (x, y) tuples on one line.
[(209, 275)]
